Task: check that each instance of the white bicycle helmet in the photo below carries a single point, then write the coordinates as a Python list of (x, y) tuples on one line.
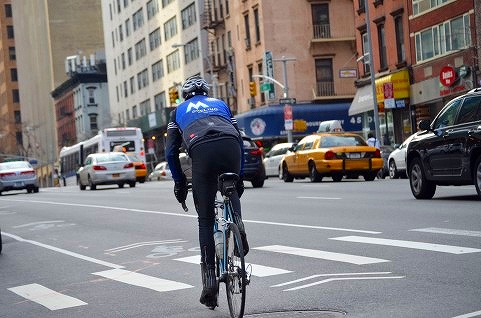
[(194, 85)]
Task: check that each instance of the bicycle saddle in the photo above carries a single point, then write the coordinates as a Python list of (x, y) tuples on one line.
[(227, 183)]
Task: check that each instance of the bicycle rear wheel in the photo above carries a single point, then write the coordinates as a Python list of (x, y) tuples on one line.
[(236, 280)]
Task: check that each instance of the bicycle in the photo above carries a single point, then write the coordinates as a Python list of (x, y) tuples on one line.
[(230, 264)]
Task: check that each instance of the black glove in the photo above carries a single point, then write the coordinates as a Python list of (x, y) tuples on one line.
[(180, 190), (240, 187)]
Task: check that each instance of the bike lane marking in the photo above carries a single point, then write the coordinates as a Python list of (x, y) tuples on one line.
[(46, 297), (257, 270), (331, 256), (471, 314), (142, 280), (438, 230), (452, 249)]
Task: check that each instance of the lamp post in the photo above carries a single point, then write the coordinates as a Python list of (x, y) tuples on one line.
[(371, 65)]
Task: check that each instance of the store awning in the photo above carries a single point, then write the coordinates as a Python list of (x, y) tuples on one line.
[(395, 85), (268, 121), (362, 102)]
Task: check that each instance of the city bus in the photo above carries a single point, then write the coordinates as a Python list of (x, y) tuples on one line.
[(129, 139)]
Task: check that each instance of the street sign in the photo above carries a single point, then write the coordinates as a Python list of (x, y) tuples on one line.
[(288, 123), (266, 87), (287, 101), (269, 71)]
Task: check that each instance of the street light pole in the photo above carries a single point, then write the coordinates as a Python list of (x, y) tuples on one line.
[(371, 66)]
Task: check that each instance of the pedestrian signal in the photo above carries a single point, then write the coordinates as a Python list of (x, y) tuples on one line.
[(253, 88), (174, 96)]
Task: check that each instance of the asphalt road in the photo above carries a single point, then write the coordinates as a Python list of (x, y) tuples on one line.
[(348, 249)]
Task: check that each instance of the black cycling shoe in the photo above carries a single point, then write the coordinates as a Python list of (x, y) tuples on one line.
[(208, 297)]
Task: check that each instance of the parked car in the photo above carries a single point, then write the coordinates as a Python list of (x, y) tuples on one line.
[(448, 150), (397, 160), (273, 158), (140, 167), (18, 175), (332, 154), (161, 172), (385, 152), (106, 168)]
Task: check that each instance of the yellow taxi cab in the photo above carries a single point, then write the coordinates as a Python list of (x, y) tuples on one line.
[(331, 154), (140, 167)]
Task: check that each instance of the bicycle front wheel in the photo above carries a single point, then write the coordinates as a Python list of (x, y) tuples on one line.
[(236, 280)]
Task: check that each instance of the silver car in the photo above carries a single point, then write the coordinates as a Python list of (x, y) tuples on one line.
[(106, 168), (18, 175), (274, 157)]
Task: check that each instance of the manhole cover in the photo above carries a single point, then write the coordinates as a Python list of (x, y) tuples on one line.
[(300, 313)]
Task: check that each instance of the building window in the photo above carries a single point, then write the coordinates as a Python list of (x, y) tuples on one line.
[(444, 38), (121, 33), (122, 57), (320, 21), (188, 16), (127, 28), (11, 53), (8, 10), (19, 137), (365, 51), (191, 51), (382, 46), (10, 33), (154, 39), (13, 75), (144, 107), (157, 71), (170, 28), (93, 122), (134, 112), (173, 61), (15, 96), (324, 77), (129, 56), (18, 117), (166, 2), (152, 8), (420, 6), (127, 114), (140, 49), (142, 79), (257, 25), (126, 90), (400, 49), (91, 95), (159, 101), (248, 33), (227, 10), (132, 85), (138, 19)]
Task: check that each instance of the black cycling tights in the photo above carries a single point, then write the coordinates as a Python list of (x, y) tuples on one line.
[(209, 160)]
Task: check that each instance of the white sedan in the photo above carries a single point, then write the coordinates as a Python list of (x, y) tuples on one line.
[(397, 160), (273, 158), (161, 172)]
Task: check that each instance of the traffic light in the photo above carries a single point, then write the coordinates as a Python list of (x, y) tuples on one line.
[(253, 88), (174, 96)]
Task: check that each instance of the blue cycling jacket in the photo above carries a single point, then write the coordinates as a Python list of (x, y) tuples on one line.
[(197, 120)]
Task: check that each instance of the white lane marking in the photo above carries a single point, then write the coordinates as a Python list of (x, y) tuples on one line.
[(46, 297), (66, 252), (142, 280), (139, 244), (469, 315), (409, 244), (257, 270), (319, 198), (448, 231), (339, 257), (36, 223), (341, 278), (193, 216), (328, 275)]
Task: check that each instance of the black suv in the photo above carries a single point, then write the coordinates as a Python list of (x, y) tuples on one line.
[(448, 150)]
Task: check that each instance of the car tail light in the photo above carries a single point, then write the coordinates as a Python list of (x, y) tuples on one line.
[(256, 152), (6, 174), (377, 153), (330, 155), (141, 166), (29, 172), (99, 168), (163, 173), (129, 165)]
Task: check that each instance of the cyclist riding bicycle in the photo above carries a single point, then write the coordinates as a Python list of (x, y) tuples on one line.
[(209, 132)]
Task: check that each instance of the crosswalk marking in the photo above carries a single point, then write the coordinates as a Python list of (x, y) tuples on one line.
[(257, 270), (339, 257), (409, 244), (142, 280), (448, 231), (46, 297)]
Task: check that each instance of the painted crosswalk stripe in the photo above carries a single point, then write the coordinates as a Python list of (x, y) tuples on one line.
[(142, 280), (408, 244), (448, 231), (257, 270), (46, 297), (339, 257)]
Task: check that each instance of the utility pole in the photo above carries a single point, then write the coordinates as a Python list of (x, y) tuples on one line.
[(284, 61), (373, 81)]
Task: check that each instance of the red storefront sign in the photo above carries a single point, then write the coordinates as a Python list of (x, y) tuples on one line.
[(447, 77)]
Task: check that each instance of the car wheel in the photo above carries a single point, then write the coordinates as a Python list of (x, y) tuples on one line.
[(313, 174), (81, 186), (29, 190), (121, 185), (477, 176), (337, 177), (393, 174), (286, 176), (142, 180), (370, 176), (35, 190), (92, 185), (258, 183), (420, 186), (132, 184)]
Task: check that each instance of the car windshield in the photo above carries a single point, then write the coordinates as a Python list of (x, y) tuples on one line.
[(111, 157), (337, 141), (14, 165)]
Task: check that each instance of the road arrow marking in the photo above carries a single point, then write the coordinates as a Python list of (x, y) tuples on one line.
[(139, 244)]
